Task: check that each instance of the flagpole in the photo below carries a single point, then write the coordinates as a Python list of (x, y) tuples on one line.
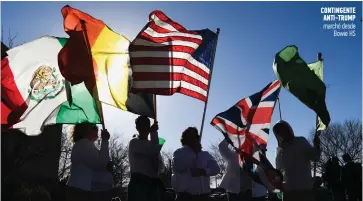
[(278, 100), (320, 55), (155, 110), (209, 84), (88, 46)]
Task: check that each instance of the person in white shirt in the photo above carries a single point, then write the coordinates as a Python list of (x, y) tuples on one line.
[(235, 188), (102, 183), (86, 159), (192, 168), (294, 156), (144, 158)]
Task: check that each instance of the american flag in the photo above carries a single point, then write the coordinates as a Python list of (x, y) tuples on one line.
[(246, 127), (167, 58)]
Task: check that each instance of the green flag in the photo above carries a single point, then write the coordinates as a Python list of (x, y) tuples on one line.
[(317, 68), (302, 80), (161, 141)]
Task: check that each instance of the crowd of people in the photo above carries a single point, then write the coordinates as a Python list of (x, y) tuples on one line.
[(343, 181), (91, 179)]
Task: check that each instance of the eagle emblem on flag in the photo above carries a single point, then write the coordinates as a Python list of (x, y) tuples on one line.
[(46, 83)]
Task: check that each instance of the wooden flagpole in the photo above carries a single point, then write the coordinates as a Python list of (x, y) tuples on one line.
[(88, 46), (209, 84), (320, 55)]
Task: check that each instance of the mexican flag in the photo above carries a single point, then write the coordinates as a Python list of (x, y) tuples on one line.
[(33, 88)]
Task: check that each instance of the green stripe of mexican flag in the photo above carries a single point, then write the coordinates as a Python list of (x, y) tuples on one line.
[(81, 109), (34, 79)]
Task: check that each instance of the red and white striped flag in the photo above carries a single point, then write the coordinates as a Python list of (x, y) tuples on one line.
[(167, 58)]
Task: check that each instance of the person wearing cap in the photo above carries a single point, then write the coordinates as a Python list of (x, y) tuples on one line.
[(145, 163), (235, 181), (192, 168), (293, 159)]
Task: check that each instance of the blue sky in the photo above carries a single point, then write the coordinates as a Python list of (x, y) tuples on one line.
[(251, 34)]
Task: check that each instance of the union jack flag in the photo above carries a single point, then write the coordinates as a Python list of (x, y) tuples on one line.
[(251, 116), (246, 127), (167, 58)]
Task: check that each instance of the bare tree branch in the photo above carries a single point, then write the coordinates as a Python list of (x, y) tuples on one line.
[(214, 151), (10, 40), (166, 175), (338, 139), (119, 156)]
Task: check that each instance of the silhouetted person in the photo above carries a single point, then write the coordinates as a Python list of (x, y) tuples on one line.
[(145, 163), (294, 156), (102, 183), (235, 181), (321, 194), (86, 159), (192, 168), (324, 176), (352, 178), (333, 176), (259, 191)]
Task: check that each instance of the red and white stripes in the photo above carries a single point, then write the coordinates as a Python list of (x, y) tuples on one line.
[(162, 62)]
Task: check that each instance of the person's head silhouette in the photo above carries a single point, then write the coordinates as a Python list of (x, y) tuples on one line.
[(143, 126), (191, 139), (335, 160), (347, 158), (85, 131), (283, 132)]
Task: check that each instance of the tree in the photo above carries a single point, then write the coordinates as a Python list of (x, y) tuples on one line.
[(119, 156), (65, 155), (338, 139), (214, 151), (10, 40), (165, 176)]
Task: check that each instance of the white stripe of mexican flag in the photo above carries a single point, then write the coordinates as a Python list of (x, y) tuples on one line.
[(34, 66)]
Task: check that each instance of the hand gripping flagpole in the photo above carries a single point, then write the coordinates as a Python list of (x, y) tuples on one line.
[(317, 133), (88, 46), (209, 84)]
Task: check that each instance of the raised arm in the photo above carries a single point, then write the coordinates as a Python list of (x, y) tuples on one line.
[(154, 137), (212, 168)]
